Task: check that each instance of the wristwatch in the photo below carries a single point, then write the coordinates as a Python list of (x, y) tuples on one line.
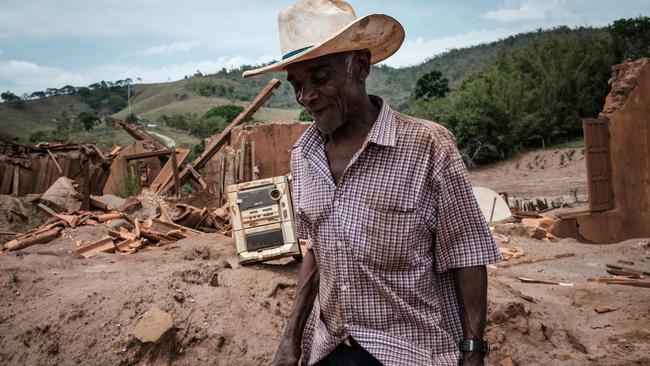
[(473, 345)]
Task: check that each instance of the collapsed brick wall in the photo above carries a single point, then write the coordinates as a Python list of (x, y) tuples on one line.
[(623, 81)]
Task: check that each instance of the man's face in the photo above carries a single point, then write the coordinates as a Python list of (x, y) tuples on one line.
[(327, 87)]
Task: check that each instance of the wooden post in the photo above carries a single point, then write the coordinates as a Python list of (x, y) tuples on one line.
[(221, 140), (177, 181), (16, 181), (86, 171)]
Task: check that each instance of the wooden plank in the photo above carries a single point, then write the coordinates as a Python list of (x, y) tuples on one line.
[(56, 163), (148, 154), (86, 188), (177, 182), (47, 210), (244, 116), (7, 178), (16, 180)]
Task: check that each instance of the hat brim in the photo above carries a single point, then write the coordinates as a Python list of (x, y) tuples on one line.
[(379, 33)]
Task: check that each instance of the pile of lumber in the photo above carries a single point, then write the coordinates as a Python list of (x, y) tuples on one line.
[(162, 229)]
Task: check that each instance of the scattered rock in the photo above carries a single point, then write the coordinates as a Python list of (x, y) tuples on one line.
[(214, 280), (61, 195), (179, 297), (153, 325), (511, 229), (604, 308)]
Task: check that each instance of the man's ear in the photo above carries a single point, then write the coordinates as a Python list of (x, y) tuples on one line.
[(363, 61)]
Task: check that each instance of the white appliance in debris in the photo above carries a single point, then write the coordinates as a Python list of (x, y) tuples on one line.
[(262, 217)]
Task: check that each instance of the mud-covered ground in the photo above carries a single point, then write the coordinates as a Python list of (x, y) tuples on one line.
[(59, 309)]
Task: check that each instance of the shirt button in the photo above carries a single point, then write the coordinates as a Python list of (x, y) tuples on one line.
[(339, 244), (344, 288), (346, 326)]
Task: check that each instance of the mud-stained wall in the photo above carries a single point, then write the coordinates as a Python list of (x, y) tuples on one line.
[(628, 109), (263, 149)]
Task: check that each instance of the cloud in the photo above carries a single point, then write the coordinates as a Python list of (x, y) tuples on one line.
[(532, 10), (167, 49), (222, 24), (174, 71), (26, 77), (418, 50)]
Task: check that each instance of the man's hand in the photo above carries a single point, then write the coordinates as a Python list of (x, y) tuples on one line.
[(288, 353), (472, 359)]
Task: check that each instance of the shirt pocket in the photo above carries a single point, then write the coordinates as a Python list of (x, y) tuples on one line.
[(393, 235)]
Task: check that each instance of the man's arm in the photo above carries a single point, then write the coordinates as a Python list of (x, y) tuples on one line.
[(471, 293), (308, 281)]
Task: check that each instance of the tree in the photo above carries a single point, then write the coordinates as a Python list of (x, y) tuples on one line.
[(431, 85), (305, 116), (13, 99), (87, 119), (37, 95), (116, 103), (227, 111), (631, 38), (132, 119)]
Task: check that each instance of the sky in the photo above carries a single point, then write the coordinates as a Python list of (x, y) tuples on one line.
[(53, 43)]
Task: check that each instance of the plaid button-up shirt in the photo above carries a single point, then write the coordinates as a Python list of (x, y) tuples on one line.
[(385, 238)]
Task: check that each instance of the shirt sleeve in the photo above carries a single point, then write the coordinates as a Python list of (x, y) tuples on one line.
[(462, 237), (296, 185)]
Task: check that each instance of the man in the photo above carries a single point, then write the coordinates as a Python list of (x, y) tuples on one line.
[(397, 246)]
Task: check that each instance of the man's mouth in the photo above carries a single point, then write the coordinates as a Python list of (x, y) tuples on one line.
[(317, 111)]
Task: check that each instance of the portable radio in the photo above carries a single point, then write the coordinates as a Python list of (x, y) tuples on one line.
[(262, 218)]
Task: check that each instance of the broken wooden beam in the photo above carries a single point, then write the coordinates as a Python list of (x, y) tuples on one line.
[(140, 135), (149, 154), (244, 116), (628, 269), (31, 239), (47, 210), (56, 163), (620, 280)]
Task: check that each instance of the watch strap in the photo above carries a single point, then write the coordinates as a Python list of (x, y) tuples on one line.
[(475, 345)]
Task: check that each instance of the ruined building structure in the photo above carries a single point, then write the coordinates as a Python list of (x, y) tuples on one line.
[(617, 149)]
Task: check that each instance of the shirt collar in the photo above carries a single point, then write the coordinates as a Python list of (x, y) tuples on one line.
[(383, 132)]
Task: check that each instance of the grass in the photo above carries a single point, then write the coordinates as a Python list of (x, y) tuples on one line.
[(37, 115), (575, 144), (13, 275)]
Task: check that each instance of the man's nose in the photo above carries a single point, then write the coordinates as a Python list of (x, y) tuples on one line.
[(307, 95)]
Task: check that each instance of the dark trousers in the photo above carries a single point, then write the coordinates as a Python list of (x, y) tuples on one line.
[(353, 355)]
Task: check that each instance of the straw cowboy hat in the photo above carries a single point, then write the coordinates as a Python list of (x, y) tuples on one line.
[(314, 28)]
